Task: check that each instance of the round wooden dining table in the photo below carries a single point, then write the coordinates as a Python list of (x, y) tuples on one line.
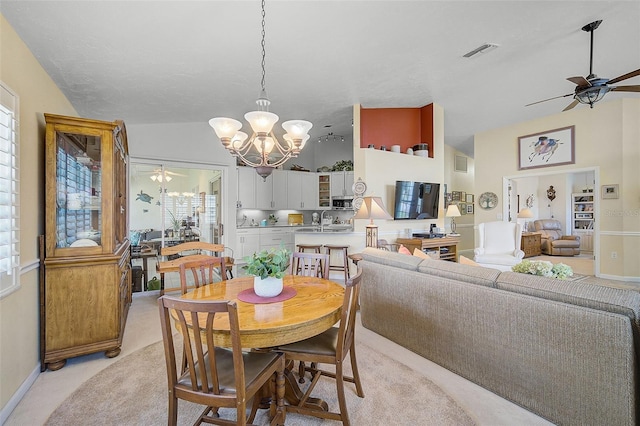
[(316, 307)]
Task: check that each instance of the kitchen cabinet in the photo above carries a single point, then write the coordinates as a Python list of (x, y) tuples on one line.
[(85, 290), (273, 238), (248, 242), (302, 190), (246, 188), (341, 183), (271, 193), (324, 190)]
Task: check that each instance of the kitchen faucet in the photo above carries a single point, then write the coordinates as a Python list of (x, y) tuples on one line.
[(322, 221)]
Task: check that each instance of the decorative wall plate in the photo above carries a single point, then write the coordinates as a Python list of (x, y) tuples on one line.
[(359, 187), (488, 200), (357, 202)]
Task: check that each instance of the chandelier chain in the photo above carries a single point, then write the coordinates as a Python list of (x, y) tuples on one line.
[(263, 49)]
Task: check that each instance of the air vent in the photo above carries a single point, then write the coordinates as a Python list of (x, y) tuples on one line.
[(460, 164), (487, 47)]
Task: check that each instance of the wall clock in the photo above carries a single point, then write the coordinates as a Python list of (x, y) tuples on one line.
[(357, 202), (488, 200)]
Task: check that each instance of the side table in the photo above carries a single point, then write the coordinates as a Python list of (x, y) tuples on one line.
[(531, 244)]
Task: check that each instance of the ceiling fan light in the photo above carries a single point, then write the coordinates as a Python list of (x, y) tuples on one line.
[(591, 95), (261, 121)]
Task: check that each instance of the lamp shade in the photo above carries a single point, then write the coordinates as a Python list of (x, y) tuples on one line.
[(225, 128), (453, 211), (261, 121), (525, 214), (372, 208), (297, 129)]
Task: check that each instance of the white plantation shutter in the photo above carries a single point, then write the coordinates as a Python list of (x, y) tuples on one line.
[(9, 193)]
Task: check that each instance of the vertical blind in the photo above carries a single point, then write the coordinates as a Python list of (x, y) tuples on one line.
[(9, 193)]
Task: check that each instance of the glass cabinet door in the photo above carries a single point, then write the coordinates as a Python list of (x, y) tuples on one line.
[(78, 190)]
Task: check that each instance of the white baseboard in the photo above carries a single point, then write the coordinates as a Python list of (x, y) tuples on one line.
[(19, 394), (620, 278)]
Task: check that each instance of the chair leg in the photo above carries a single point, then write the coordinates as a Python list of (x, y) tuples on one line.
[(173, 410), (301, 371), (354, 370), (342, 401)]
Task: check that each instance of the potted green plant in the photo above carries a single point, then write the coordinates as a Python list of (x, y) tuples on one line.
[(268, 267)]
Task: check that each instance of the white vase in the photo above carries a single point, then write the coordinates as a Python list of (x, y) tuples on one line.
[(268, 287)]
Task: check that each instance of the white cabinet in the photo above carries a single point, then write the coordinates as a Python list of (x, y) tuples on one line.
[(248, 242), (271, 193), (341, 183), (246, 188), (324, 190), (586, 240), (302, 189), (273, 238)]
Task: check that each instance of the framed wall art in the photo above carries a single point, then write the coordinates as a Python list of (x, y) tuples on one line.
[(551, 148), (469, 208), (609, 191)]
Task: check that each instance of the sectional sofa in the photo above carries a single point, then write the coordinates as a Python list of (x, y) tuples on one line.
[(565, 350)]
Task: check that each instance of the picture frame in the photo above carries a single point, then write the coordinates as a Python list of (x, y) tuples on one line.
[(610, 191), (469, 208), (463, 208), (456, 196), (469, 198), (463, 196), (547, 149)]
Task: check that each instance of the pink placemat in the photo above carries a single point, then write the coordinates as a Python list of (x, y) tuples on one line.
[(250, 296)]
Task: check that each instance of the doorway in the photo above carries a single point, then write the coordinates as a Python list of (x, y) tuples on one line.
[(171, 203)]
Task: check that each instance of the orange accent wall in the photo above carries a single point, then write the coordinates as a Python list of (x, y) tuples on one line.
[(396, 126)]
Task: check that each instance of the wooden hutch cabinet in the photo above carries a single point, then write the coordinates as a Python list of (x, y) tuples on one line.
[(85, 286)]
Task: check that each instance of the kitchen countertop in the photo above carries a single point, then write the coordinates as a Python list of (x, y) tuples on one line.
[(307, 228)]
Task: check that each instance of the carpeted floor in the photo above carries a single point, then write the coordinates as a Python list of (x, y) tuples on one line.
[(137, 395), (582, 265)]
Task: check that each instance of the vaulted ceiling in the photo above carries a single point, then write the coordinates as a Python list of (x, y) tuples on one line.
[(188, 61)]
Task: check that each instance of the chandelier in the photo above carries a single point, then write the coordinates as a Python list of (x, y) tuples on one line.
[(262, 150)]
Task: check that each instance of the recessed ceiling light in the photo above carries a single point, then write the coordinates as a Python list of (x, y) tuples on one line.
[(487, 47)]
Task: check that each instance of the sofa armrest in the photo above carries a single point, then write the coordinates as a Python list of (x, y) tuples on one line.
[(519, 254), (571, 237)]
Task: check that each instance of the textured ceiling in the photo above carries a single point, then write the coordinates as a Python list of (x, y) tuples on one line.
[(170, 61)]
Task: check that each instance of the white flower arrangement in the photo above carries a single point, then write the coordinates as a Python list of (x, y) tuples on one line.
[(543, 268)]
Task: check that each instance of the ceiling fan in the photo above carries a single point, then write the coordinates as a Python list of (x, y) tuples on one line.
[(592, 88), (157, 175)]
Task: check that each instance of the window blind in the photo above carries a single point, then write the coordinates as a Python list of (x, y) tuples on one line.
[(9, 192)]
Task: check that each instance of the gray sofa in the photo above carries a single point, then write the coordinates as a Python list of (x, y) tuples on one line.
[(565, 350)]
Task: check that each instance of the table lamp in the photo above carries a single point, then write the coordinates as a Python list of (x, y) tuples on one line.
[(372, 208), (525, 213), (453, 212)]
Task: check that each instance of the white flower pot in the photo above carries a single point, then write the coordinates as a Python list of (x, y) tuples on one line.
[(268, 287)]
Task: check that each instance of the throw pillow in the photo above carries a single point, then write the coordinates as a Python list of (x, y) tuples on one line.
[(403, 250), (467, 261), (419, 253)]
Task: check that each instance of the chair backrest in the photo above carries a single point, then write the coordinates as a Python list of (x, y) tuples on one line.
[(549, 228), (499, 237), (348, 316), (194, 319), (192, 246), (203, 271), (309, 264)]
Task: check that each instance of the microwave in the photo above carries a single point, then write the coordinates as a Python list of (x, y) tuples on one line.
[(342, 203)]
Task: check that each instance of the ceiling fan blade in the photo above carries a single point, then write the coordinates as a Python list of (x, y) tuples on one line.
[(635, 88), (579, 81), (571, 105), (557, 97), (624, 77)]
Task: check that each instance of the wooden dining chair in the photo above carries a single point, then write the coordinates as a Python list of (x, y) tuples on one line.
[(309, 264), (203, 270), (230, 378), (199, 247), (330, 347)]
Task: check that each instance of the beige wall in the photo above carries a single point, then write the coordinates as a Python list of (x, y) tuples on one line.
[(19, 319), (606, 138), (460, 181)]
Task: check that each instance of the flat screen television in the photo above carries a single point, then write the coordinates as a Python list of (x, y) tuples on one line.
[(416, 200)]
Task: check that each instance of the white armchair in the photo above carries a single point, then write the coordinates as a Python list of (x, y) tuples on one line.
[(499, 245)]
